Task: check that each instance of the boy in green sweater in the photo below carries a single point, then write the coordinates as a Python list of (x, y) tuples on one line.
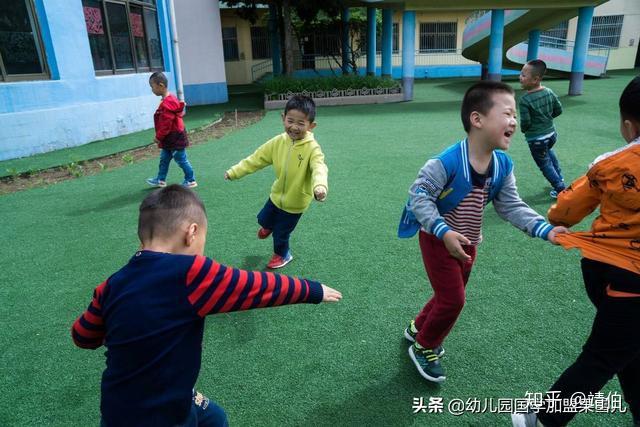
[(300, 170), (538, 107)]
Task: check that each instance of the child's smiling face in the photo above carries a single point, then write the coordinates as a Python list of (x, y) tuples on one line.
[(296, 124), (499, 124)]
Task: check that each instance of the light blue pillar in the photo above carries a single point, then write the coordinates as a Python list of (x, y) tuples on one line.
[(495, 45), (387, 41), (371, 41), (533, 45), (275, 40), (408, 52), (585, 16), (346, 50)]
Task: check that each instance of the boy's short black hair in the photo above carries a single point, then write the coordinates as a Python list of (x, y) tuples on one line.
[(538, 67), (304, 104), (159, 78), (164, 211), (630, 101), (479, 97)]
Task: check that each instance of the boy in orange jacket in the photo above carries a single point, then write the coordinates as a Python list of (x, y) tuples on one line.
[(611, 272)]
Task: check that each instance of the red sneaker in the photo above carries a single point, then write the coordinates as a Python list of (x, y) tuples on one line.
[(263, 233), (277, 261)]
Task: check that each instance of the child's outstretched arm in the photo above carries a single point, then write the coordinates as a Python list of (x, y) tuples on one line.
[(88, 330), (261, 158), (215, 288), (574, 203), (319, 174), (510, 207)]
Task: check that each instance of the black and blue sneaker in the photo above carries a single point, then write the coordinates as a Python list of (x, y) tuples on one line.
[(427, 362), (410, 334)]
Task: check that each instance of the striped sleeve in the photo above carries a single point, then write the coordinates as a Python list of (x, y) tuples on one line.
[(525, 116), (88, 330), (215, 288)]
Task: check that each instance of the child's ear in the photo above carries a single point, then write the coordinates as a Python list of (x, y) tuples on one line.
[(190, 236), (631, 129), (312, 125), (475, 118), (282, 116)]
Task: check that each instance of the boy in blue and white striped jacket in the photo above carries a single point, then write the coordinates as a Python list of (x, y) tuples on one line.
[(446, 203)]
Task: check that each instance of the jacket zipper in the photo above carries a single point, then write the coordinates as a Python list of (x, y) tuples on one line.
[(284, 181)]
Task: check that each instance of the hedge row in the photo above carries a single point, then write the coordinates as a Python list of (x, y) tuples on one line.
[(279, 85)]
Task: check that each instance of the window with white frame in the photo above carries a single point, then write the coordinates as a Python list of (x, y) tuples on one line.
[(230, 44), (21, 50), (438, 37), (123, 35), (605, 30)]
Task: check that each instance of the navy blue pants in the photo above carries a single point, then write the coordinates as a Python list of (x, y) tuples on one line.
[(204, 413), (613, 347), (545, 158), (281, 223)]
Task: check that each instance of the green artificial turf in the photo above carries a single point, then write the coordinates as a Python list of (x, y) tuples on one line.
[(343, 364), (245, 98)]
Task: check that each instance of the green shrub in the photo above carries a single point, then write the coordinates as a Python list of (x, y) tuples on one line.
[(283, 84)]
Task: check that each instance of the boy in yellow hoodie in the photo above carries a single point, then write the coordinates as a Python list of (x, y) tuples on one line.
[(300, 171)]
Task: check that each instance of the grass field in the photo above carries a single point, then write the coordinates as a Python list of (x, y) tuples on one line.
[(330, 365)]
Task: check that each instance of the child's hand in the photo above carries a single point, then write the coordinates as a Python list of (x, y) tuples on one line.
[(320, 193), (554, 233), (330, 294), (226, 176), (453, 241)]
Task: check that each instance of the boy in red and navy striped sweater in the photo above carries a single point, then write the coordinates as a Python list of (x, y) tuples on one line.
[(150, 315)]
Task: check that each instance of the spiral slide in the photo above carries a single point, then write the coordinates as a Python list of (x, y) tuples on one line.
[(557, 54)]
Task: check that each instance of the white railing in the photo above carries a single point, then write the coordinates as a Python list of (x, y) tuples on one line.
[(260, 69)]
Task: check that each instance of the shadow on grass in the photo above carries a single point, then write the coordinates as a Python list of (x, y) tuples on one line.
[(253, 262), (541, 198), (115, 203), (364, 408)]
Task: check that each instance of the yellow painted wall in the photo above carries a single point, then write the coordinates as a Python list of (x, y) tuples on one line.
[(239, 72)]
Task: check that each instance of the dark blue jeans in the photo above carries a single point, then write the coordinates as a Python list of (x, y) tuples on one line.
[(542, 152), (204, 413), (281, 223), (180, 156)]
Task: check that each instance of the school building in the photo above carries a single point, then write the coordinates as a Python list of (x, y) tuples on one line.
[(438, 35), (77, 71)]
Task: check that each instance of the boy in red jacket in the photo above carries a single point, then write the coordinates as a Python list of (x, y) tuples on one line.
[(171, 135)]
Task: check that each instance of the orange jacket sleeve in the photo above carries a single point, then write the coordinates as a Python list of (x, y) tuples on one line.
[(575, 203)]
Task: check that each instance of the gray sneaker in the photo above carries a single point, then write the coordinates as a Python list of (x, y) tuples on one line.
[(428, 363), (410, 334)]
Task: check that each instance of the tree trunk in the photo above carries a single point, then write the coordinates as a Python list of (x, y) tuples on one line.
[(288, 41)]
